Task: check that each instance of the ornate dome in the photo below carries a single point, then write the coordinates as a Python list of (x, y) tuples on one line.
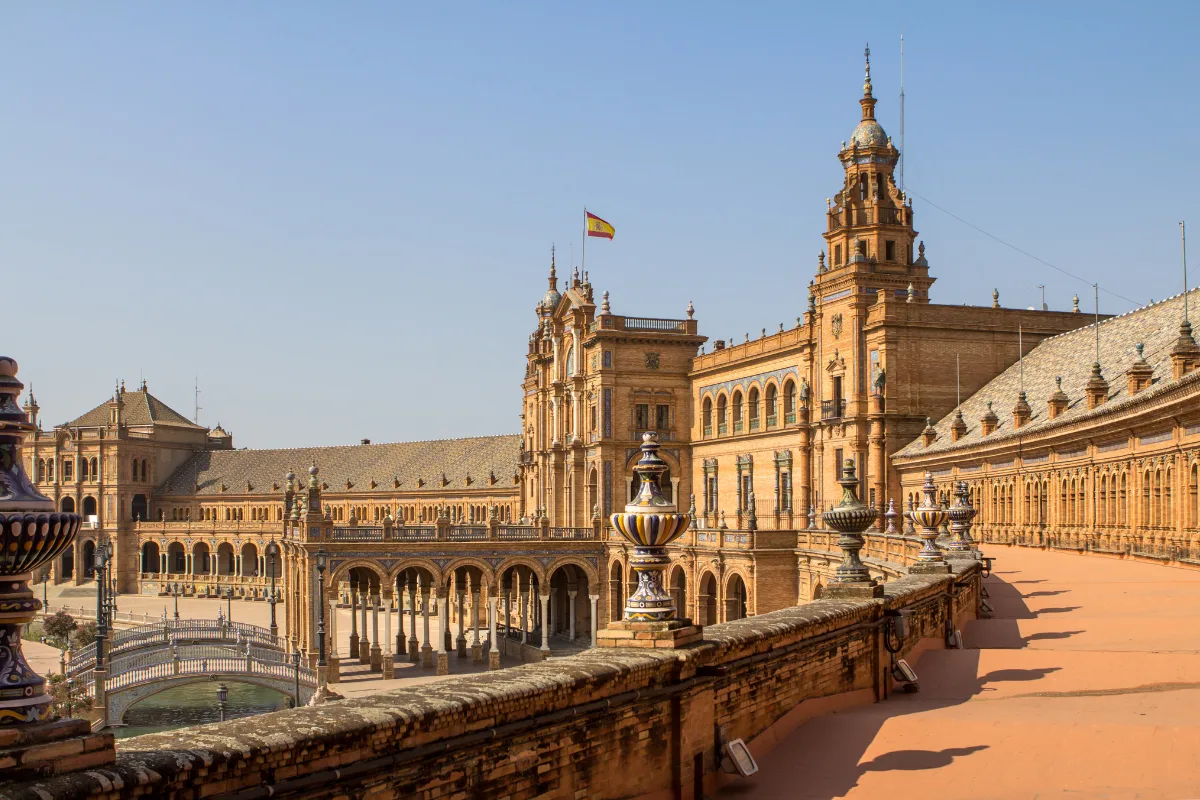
[(550, 301), (869, 133)]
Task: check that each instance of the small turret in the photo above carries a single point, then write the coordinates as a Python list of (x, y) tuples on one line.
[(31, 407), (1058, 400), (1096, 388), (958, 428), (1140, 374), (989, 422), (1021, 410), (929, 435), (1185, 355)]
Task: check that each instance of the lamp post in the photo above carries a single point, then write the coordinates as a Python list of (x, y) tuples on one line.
[(296, 669), (98, 561), (272, 554), (175, 591), (322, 562), (229, 604), (222, 696)]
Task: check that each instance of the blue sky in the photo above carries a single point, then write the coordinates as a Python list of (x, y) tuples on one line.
[(339, 216)]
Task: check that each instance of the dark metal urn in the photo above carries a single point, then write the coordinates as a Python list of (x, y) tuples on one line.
[(31, 534)]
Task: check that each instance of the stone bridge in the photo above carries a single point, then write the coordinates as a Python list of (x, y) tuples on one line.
[(144, 661)]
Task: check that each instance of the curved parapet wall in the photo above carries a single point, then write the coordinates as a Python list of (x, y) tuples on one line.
[(605, 723)]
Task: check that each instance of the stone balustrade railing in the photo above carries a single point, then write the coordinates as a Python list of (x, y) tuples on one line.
[(1161, 544), (460, 533)]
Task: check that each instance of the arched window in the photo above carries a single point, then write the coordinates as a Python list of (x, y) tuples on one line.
[(752, 408), (789, 402), (722, 420), (134, 477), (95, 469), (143, 469), (83, 469), (737, 412), (707, 417), (771, 405), (50, 469)]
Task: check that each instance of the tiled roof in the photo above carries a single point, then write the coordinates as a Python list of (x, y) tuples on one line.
[(140, 408), (360, 464), (1069, 355)]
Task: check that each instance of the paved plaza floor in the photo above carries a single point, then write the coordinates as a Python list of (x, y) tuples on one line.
[(1084, 684)]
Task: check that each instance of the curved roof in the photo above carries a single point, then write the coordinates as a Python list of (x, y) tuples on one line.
[(1069, 355), (206, 471)]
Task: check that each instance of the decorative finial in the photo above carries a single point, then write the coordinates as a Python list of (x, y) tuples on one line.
[(912, 294), (1075, 304), (691, 310), (1058, 382), (995, 298), (867, 78), (553, 272), (604, 308), (821, 261), (1138, 347)]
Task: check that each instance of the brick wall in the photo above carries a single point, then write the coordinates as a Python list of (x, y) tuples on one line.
[(601, 724)]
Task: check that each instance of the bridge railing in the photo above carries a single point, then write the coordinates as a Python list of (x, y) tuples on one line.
[(164, 632)]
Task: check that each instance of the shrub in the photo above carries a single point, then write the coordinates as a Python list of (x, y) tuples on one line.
[(58, 629), (84, 634)]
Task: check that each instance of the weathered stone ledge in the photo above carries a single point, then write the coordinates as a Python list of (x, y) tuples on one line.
[(625, 686)]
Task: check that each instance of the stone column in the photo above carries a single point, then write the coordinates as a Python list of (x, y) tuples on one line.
[(549, 617), (595, 601), (375, 654), (364, 643), (461, 642), (476, 645), (414, 647), (524, 608), (571, 613), (401, 650), (426, 647), (334, 663), (443, 658), (388, 663), (545, 598), (353, 622), (494, 650)]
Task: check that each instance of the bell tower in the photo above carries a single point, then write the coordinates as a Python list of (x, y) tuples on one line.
[(870, 221)]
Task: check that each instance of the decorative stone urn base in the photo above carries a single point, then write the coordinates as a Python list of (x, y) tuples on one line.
[(668, 634), (29, 752)]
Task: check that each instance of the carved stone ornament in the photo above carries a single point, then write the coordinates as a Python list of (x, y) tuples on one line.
[(836, 325), (651, 360)]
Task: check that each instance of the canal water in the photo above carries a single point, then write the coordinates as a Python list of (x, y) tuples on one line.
[(196, 704)]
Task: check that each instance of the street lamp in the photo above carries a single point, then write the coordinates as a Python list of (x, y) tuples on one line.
[(175, 588), (322, 561), (222, 696), (99, 560), (296, 668), (229, 604), (272, 554)]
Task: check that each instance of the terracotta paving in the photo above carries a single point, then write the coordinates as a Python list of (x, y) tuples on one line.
[(1084, 684)]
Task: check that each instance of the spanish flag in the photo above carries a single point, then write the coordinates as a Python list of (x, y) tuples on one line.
[(598, 227)]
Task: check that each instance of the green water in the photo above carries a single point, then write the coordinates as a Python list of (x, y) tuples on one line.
[(196, 704)]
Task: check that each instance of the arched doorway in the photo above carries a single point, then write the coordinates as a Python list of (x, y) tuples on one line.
[(706, 599), (67, 565), (89, 559), (570, 609), (176, 558), (249, 560), (150, 558), (89, 507), (414, 585), (616, 593), (735, 598), (200, 559), (678, 590), (68, 505), (224, 558), (520, 608)]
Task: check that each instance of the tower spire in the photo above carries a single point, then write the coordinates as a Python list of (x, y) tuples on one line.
[(553, 274), (868, 100)]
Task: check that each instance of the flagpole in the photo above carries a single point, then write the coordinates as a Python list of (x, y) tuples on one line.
[(583, 237)]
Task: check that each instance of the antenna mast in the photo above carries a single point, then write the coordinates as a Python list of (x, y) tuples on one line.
[(1021, 355), (1096, 300), (196, 415), (900, 165), (1183, 236)]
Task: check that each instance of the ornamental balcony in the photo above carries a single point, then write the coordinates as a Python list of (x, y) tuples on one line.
[(832, 409)]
